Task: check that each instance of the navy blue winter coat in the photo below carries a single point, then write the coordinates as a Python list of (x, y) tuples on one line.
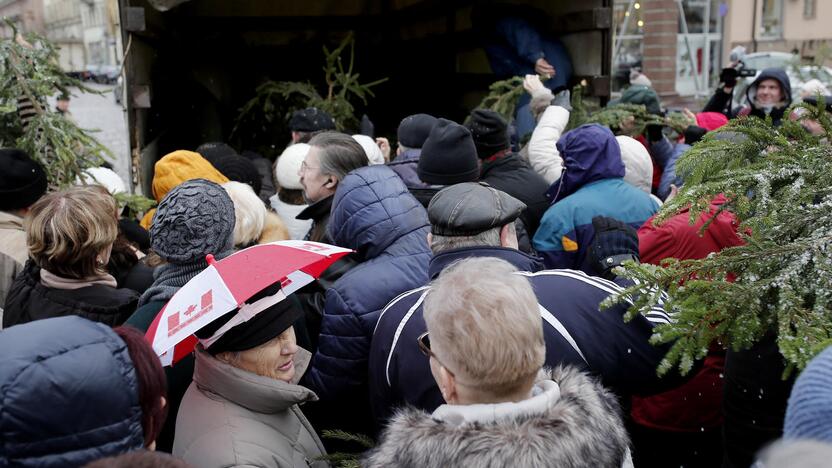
[(374, 214), (69, 394), (575, 330)]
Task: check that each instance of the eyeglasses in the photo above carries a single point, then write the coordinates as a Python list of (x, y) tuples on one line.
[(305, 167), (423, 341)]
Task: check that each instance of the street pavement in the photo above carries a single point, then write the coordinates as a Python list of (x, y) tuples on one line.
[(101, 113)]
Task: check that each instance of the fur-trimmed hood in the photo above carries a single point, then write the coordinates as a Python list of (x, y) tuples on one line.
[(582, 428)]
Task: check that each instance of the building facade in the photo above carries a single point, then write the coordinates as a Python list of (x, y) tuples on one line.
[(26, 15)]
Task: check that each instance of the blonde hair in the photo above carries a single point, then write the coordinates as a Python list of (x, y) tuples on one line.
[(249, 213), (66, 231), (484, 323)]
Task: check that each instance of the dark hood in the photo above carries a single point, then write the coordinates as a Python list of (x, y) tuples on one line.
[(590, 153), (770, 74), (371, 209)]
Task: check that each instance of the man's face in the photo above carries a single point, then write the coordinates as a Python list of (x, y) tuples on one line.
[(316, 186), (769, 92), (63, 105)]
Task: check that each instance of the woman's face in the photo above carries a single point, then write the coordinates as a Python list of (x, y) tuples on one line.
[(274, 359)]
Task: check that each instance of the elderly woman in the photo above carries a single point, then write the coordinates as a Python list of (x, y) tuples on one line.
[(486, 349), (70, 235), (242, 407), (75, 391)]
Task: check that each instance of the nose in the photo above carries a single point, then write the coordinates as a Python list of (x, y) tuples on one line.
[(288, 349)]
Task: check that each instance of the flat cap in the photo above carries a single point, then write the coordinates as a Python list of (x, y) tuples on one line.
[(470, 208)]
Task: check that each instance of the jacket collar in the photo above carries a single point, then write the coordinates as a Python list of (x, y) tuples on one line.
[(254, 392), (318, 210), (544, 395), (10, 221), (522, 261), (507, 159), (410, 155)]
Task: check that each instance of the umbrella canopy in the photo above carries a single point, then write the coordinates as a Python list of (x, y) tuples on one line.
[(227, 284)]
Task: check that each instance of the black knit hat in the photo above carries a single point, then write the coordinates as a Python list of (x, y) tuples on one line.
[(311, 119), (22, 180), (261, 328), (240, 169), (214, 151), (448, 155), (489, 131), (414, 130)]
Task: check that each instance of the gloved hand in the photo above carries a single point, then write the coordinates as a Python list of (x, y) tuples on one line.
[(654, 132), (694, 133), (728, 77), (614, 243), (563, 99)]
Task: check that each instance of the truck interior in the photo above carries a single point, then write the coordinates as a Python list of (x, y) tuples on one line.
[(192, 64)]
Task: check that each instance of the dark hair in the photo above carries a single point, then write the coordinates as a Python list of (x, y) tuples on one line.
[(215, 150), (140, 459), (340, 153), (152, 381)]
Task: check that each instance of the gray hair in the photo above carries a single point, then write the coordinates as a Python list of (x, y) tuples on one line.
[(789, 453), (339, 154), (489, 238), (484, 322)]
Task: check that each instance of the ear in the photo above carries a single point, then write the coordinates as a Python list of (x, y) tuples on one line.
[(508, 237), (447, 383)]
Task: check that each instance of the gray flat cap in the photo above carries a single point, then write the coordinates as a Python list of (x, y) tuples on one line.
[(470, 208)]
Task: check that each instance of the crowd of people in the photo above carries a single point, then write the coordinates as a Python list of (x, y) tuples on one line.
[(464, 329)]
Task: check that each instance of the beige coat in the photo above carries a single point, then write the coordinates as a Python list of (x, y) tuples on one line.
[(230, 417), (13, 252)]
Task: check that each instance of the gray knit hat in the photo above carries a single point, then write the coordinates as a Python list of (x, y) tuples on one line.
[(194, 219)]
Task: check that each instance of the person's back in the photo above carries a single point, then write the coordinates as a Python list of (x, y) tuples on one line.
[(70, 394), (374, 214), (496, 392), (70, 235), (592, 185)]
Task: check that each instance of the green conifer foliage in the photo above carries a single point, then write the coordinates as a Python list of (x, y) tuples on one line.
[(778, 181)]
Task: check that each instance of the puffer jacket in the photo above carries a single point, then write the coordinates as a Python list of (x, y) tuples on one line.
[(374, 214), (231, 417), (405, 166), (592, 185), (70, 394), (570, 421), (29, 300)]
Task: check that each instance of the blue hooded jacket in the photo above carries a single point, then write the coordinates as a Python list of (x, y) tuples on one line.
[(374, 214), (69, 394), (575, 329), (592, 184)]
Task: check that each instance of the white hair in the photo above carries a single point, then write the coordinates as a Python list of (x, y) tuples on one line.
[(249, 213), (489, 238), (484, 324)]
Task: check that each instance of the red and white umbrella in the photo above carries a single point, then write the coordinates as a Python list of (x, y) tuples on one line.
[(228, 283)]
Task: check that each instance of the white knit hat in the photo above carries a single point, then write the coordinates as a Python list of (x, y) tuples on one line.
[(107, 178), (638, 167), (370, 148), (288, 165)]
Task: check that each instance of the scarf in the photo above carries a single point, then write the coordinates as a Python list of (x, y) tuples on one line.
[(51, 280), (168, 278)]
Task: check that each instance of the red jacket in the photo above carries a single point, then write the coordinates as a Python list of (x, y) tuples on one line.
[(696, 405)]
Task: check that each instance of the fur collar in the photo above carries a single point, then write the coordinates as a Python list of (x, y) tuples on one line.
[(582, 428)]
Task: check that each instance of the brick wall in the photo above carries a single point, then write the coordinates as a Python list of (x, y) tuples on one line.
[(661, 26)]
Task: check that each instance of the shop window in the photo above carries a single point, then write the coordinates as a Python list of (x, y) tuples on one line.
[(809, 9), (772, 19)]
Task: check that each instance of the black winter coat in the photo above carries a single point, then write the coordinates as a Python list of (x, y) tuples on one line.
[(29, 300), (515, 177)]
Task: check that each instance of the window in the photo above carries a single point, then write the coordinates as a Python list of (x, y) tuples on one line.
[(809, 9), (772, 19)]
